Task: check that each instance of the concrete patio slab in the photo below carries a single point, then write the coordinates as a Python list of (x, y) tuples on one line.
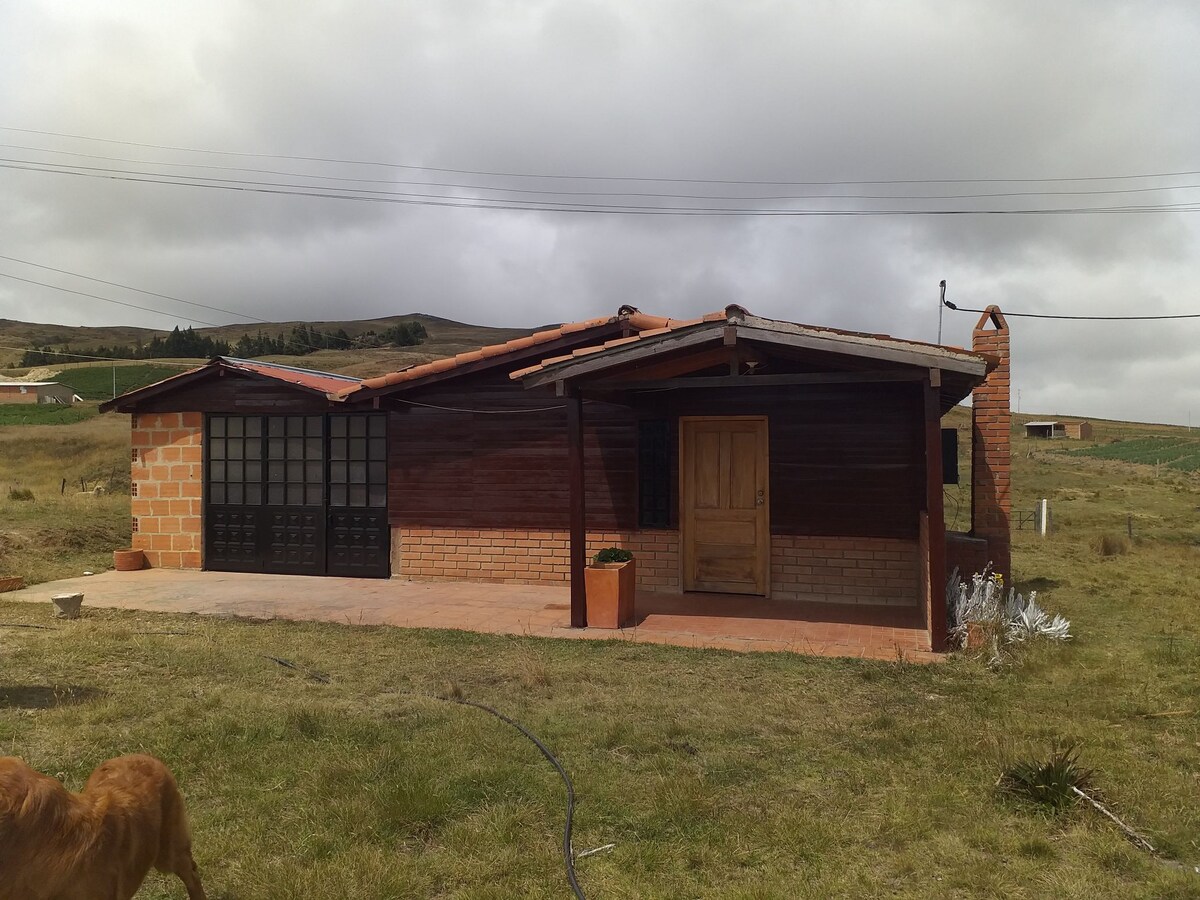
[(689, 620)]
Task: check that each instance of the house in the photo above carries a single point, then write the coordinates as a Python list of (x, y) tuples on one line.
[(734, 455), (36, 392)]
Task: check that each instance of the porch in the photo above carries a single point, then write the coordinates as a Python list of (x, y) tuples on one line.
[(689, 620)]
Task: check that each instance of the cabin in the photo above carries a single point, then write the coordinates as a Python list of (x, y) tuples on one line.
[(734, 455), (37, 392)]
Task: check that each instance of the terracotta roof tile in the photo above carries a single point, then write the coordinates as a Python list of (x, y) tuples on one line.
[(654, 326), (326, 382), (492, 351), (644, 324)]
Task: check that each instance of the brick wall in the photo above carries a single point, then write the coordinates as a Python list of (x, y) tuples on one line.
[(991, 462), (880, 571), (525, 557), (17, 394), (166, 484), (834, 570)]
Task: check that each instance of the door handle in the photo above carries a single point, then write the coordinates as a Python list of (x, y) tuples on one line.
[(759, 500)]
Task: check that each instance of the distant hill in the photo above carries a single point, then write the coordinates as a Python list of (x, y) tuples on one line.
[(445, 338)]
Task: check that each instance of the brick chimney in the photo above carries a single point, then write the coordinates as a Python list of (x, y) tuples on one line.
[(991, 461)]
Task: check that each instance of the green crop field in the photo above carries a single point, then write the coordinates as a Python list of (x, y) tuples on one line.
[(1174, 452), (44, 413), (96, 382)]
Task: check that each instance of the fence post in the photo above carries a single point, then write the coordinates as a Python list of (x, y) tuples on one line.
[(1043, 516)]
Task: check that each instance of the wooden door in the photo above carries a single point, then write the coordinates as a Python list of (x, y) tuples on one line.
[(726, 533)]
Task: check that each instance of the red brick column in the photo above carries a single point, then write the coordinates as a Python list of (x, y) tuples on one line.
[(991, 460), (166, 487)]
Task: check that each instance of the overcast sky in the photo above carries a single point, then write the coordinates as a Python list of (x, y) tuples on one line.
[(957, 97)]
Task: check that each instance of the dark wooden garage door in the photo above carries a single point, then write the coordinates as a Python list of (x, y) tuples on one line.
[(299, 495)]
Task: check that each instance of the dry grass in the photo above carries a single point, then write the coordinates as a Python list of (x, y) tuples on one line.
[(62, 532), (716, 774)]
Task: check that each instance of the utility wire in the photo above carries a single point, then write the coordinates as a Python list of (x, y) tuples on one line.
[(608, 193), (568, 852), (641, 178), (129, 287), (1008, 314), (156, 362), (294, 190), (105, 299)]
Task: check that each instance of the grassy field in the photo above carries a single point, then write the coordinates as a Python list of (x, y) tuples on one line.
[(715, 774), (44, 413), (62, 532), (95, 382), (1175, 453)]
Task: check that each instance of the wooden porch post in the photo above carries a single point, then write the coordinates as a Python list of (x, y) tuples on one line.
[(578, 517), (935, 509)]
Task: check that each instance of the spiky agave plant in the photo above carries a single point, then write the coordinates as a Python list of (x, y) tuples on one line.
[(1053, 782)]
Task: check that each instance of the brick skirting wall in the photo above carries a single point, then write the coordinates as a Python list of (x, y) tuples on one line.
[(823, 569), (167, 457), (507, 556), (879, 571)]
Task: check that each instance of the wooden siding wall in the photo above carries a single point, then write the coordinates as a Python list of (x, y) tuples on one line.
[(490, 470), (231, 393), (845, 460)]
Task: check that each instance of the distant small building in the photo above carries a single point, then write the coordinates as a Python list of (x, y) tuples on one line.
[(37, 392), (1079, 431)]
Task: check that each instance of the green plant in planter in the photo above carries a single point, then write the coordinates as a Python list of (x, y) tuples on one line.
[(612, 555)]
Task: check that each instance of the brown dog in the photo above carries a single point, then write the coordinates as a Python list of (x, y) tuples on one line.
[(95, 845)]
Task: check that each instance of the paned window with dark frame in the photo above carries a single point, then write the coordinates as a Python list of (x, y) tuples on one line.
[(654, 473), (234, 460), (295, 460), (358, 460)]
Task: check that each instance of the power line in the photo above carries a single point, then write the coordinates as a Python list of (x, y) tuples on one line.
[(155, 362), (105, 299), (494, 174), (347, 341), (1022, 315), (436, 200), (26, 262), (609, 193)]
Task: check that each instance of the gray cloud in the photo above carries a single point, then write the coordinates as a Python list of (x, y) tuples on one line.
[(705, 90)]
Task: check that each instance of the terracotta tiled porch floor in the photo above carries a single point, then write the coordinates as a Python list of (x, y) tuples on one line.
[(689, 620)]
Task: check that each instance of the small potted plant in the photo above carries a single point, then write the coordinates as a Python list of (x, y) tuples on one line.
[(610, 584)]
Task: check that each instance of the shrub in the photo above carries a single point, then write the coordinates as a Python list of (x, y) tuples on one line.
[(984, 605), (15, 493), (1112, 545), (612, 555), (1051, 782)]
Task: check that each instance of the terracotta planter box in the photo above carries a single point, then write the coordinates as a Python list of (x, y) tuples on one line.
[(977, 635), (128, 560), (13, 583), (610, 589)]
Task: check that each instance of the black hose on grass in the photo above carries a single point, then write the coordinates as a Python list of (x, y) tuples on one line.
[(568, 854)]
